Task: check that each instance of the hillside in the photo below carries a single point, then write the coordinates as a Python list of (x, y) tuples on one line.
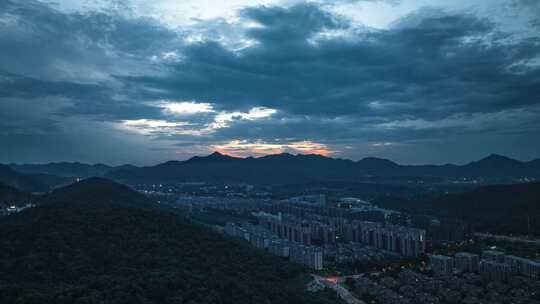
[(10, 195), (92, 242), (15, 179), (35, 182), (287, 168), (98, 192), (494, 208), (65, 169)]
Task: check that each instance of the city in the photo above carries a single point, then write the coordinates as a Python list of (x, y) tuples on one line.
[(329, 240)]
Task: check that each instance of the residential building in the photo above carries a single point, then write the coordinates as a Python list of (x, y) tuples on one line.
[(405, 241), (493, 255), (466, 262), (494, 271), (309, 256), (441, 263)]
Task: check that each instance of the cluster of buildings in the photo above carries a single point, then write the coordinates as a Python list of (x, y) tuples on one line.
[(315, 199), (296, 230), (350, 253), (316, 229), (491, 265), (302, 209), (308, 255), (412, 287), (200, 203), (405, 241), (309, 239)]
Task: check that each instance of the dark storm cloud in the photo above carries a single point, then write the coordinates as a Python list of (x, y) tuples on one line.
[(431, 73), (46, 40), (57, 82), (280, 28), (452, 62), (49, 53)]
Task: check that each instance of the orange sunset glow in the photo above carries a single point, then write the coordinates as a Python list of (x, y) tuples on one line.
[(242, 148)]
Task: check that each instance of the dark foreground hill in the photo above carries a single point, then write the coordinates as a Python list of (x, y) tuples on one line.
[(496, 208), (113, 248), (98, 192)]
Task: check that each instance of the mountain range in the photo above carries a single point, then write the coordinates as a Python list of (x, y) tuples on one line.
[(271, 169), (36, 182), (67, 169), (288, 168)]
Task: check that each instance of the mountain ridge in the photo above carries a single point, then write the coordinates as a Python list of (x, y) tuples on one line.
[(67, 169), (287, 167), (25, 182), (271, 169)]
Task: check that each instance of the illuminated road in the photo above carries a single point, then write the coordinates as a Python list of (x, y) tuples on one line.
[(342, 292)]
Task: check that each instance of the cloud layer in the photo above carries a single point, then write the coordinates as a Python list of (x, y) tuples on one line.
[(114, 86)]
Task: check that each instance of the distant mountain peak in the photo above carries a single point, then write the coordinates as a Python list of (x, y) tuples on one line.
[(218, 155), (495, 164), (214, 157), (497, 158)]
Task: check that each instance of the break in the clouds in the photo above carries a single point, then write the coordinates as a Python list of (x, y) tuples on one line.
[(143, 82)]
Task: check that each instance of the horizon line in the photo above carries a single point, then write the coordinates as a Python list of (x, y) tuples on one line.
[(263, 156)]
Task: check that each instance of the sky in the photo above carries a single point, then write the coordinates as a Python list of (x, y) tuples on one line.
[(142, 82)]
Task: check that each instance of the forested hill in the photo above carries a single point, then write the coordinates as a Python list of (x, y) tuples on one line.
[(98, 192), (14, 179), (10, 195), (496, 208), (116, 252)]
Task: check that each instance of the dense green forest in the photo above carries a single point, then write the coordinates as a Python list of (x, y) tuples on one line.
[(99, 242)]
